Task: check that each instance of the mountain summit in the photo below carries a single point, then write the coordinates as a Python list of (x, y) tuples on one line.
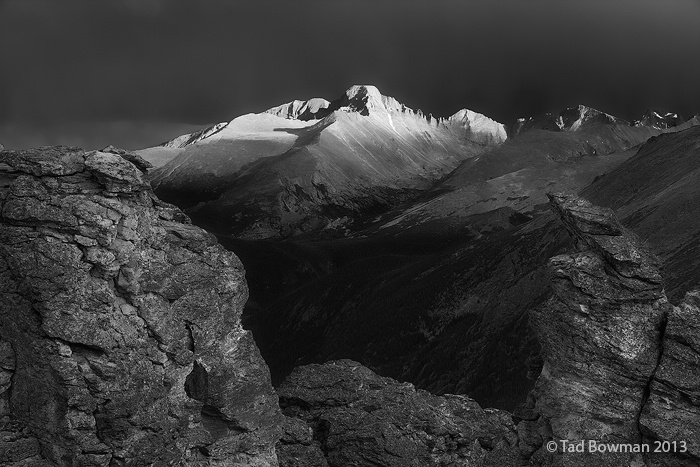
[(359, 98), (367, 100)]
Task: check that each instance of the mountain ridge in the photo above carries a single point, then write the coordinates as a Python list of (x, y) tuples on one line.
[(361, 151)]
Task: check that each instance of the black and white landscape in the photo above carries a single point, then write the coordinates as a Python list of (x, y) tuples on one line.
[(247, 245)]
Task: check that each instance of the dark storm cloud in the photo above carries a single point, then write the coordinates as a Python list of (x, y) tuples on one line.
[(180, 62)]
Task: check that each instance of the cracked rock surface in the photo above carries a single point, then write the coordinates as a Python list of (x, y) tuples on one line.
[(120, 334), (341, 414)]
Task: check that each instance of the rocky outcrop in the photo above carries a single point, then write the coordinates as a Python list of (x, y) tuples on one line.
[(120, 337), (355, 417), (672, 411), (602, 333), (142, 164)]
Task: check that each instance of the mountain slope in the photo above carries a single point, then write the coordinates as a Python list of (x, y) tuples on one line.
[(517, 174), (656, 193)]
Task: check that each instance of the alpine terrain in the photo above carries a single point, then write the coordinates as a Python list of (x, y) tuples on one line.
[(353, 282)]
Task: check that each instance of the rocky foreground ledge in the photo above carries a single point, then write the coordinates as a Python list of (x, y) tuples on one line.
[(121, 344), (120, 337)]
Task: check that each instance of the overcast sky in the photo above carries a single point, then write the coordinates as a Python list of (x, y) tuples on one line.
[(135, 73)]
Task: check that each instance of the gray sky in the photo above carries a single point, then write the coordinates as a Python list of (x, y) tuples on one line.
[(135, 73)]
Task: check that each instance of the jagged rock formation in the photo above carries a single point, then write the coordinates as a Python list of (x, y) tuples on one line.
[(120, 337), (359, 418), (602, 334), (142, 164)]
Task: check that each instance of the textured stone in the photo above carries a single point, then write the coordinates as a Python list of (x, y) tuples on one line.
[(116, 173), (57, 160), (142, 164), (672, 412), (360, 418), (297, 448), (121, 325), (602, 333)]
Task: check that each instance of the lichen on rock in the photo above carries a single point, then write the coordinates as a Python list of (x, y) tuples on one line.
[(123, 321)]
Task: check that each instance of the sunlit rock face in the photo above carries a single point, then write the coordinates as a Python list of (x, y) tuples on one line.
[(481, 127), (120, 335)]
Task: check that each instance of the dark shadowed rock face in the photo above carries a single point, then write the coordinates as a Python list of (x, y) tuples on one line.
[(614, 371), (120, 338), (359, 418)]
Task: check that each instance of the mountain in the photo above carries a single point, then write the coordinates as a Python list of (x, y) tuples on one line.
[(432, 287), (461, 261), (306, 166), (479, 127), (660, 121), (570, 119), (122, 333)]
